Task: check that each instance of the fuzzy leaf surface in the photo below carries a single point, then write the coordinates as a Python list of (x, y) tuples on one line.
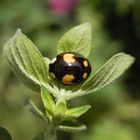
[(110, 71), (47, 100), (77, 39), (25, 60), (76, 112)]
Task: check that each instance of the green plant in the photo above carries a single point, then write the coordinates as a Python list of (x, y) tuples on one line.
[(33, 70), (4, 134)]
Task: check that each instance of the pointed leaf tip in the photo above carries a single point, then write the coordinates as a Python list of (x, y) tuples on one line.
[(17, 33), (110, 71), (77, 39), (76, 112), (18, 30), (25, 60)]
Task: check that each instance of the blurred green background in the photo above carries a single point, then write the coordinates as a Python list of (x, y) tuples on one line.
[(116, 27)]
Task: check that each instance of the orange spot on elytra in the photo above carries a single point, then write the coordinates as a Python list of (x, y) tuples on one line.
[(69, 58), (68, 78), (85, 75), (85, 63)]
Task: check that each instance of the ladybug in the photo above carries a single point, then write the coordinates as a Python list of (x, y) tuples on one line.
[(70, 68)]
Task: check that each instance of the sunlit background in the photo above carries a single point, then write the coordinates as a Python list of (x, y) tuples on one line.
[(115, 112)]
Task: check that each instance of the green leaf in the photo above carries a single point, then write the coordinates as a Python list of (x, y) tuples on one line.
[(25, 60), (78, 39), (47, 100), (4, 134), (110, 71), (61, 107), (73, 128), (76, 112), (47, 62)]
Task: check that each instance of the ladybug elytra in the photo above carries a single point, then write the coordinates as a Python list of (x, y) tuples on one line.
[(70, 68)]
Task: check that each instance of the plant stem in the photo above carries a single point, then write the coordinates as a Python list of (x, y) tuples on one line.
[(55, 119), (51, 134), (51, 137)]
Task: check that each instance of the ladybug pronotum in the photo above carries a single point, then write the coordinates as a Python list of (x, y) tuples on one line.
[(70, 68)]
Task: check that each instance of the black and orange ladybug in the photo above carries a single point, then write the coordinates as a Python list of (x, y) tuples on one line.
[(70, 68)]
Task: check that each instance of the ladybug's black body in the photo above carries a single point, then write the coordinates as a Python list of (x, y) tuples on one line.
[(70, 68)]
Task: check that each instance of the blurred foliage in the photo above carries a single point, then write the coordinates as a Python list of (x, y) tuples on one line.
[(108, 130), (116, 27)]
